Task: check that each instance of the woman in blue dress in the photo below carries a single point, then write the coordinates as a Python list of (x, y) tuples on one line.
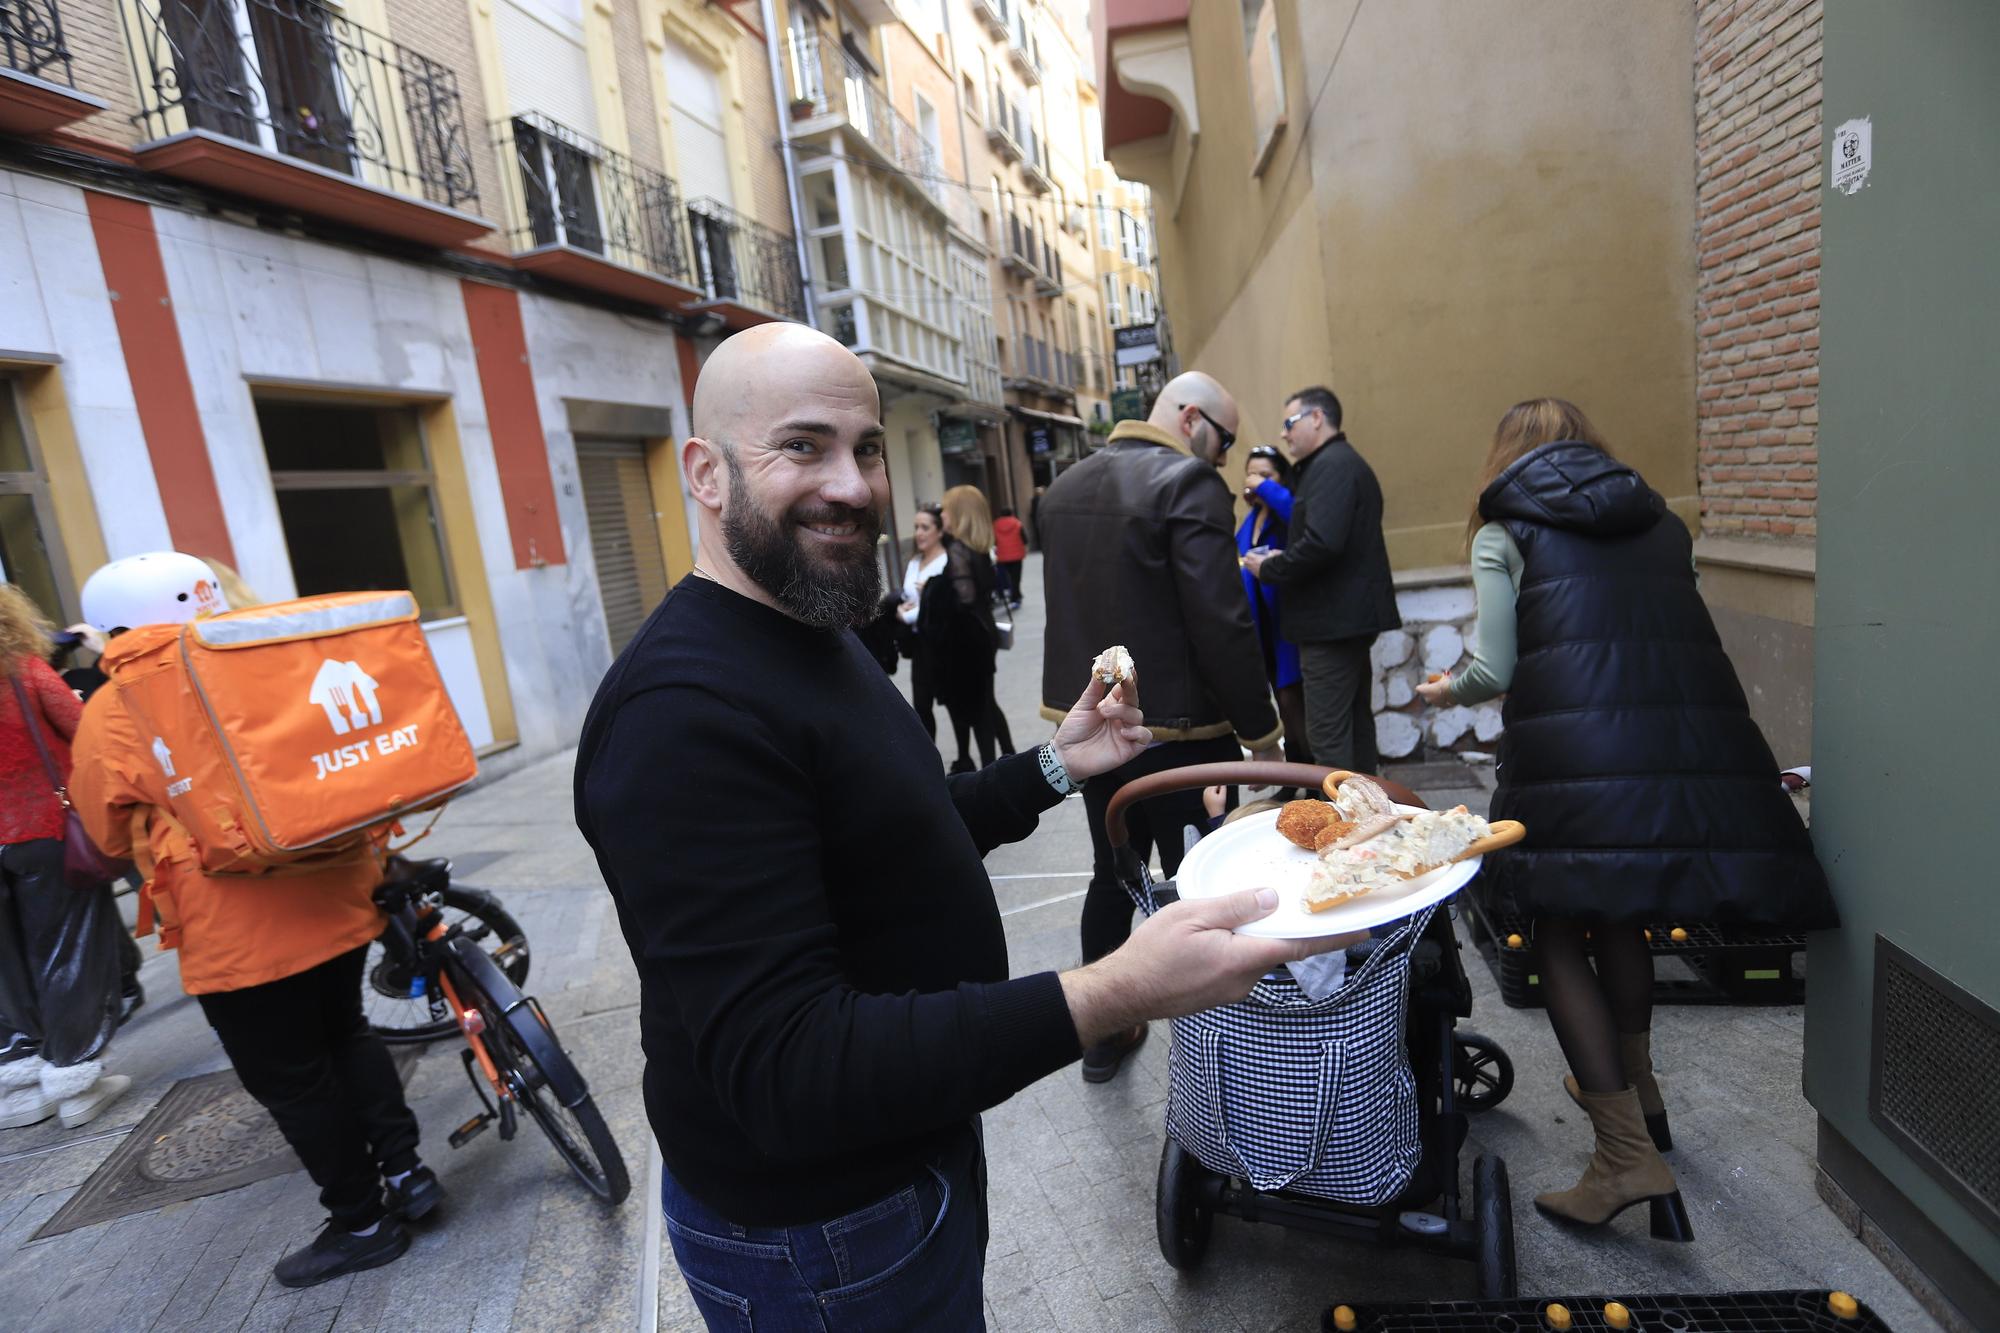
[(1267, 486)]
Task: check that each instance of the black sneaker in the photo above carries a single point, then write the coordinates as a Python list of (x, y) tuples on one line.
[(336, 1252), (419, 1193), (1100, 1062)]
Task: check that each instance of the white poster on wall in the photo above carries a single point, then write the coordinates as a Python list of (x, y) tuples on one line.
[(1853, 156)]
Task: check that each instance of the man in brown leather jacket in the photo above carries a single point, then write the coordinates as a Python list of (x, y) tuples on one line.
[(1139, 549)]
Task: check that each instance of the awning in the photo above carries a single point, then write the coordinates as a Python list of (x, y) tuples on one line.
[(1053, 418)]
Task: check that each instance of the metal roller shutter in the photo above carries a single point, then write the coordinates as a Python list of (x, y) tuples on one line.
[(624, 533)]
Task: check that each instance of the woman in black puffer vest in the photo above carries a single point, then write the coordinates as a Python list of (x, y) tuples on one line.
[(1630, 755)]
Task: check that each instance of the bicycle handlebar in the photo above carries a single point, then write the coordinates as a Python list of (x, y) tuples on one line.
[(1211, 775)]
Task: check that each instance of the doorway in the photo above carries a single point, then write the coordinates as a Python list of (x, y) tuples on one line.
[(624, 532)]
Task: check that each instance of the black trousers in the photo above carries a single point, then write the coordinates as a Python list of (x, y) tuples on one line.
[(303, 1050), (1107, 908), (1339, 721)]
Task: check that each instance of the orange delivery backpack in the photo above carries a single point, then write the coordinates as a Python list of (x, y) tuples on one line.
[(291, 733)]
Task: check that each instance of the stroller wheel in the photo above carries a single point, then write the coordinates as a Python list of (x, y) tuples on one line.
[(1178, 1212), (1482, 1073), (1493, 1215)]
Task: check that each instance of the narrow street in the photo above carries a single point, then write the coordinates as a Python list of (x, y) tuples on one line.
[(520, 1246)]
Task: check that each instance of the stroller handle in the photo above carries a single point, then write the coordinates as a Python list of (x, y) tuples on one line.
[(1309, 776)]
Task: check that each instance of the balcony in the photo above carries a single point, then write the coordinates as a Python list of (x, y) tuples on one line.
[(1017, 258), (1034, 168), (37, 89), (747, 271), (583, 214), (832, 90), (992, 15), (1027, 60), (999, 131), (293, 105), (1048, 278)]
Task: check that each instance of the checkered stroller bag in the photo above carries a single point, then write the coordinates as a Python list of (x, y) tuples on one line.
[(1290, 1093)]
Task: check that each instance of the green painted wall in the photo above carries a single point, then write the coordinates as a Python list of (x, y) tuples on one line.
[(1909, 544)]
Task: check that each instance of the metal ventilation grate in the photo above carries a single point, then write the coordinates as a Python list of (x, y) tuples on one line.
[(1932, 1086)]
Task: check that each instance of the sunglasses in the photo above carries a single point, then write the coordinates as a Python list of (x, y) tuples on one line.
[(1296, 417), (1228, 436), (1266, 451)]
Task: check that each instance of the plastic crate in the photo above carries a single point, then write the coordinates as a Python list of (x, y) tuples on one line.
[(1725, 968), (1726, 1312)]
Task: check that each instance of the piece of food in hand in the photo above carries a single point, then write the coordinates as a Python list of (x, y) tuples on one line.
[(1404, 849), (1113, 666), (1332, 831), (1301, 821)]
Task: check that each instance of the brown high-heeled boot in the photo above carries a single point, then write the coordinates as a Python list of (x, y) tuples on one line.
[(1635, 1058), (1624, 1169)]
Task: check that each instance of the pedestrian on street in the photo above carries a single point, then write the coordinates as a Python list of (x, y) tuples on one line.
[(825, 1001), (59, 972), (1138, 549), (965, 674), (275, 964), (1629, 752), (1334, 572), (1267, 489), (927, 535), (1010, 551)]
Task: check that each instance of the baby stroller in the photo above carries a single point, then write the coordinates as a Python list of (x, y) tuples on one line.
[(1343, 1115)]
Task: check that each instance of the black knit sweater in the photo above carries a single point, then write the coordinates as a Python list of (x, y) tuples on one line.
[(824, 991)]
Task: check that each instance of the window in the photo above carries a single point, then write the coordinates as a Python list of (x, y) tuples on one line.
[(927, 123), (30, 554), (357, 500), (1104, 240)]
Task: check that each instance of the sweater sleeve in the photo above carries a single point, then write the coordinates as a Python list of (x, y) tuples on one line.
[(1277, 499), (720, 870), (1004, 801), (60, 706), (1496, 579)]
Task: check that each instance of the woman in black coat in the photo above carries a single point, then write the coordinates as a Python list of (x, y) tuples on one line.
[(955, 623), (1630, 755)]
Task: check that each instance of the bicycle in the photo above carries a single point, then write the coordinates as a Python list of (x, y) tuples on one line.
[(512, 1057), (400, 1012)]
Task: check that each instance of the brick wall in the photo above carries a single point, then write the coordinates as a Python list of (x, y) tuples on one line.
[(95, 36), (635, 85), (1757, 181), (769, 202)]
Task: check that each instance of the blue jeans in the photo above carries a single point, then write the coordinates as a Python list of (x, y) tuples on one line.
[(912, 1260)]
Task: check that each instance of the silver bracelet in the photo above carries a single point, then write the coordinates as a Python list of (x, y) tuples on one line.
[(1053, 770)]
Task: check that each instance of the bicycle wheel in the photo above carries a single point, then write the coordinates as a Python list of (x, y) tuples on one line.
[(400, 1018), (544, 1080)]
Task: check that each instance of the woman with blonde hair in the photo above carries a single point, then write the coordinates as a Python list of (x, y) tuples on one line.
[(958, 609), (1629, 753), (56, 1013)]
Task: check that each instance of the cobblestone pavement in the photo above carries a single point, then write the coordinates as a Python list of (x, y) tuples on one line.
[(520, 1246)]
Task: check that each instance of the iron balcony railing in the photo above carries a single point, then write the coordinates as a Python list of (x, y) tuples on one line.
[(741, 260), (31, 40), (298, 78), (835, 83), (573, 191)]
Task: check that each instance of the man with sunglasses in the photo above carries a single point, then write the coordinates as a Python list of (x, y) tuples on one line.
[(1139, 549), (1335, 574)]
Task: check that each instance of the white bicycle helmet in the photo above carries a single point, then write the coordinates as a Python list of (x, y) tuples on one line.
[(158, 588)]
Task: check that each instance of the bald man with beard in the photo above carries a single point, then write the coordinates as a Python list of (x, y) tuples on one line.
[(1139, 548), (825, 1003)]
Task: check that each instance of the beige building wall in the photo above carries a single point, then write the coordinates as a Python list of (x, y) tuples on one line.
[(1488, 203)]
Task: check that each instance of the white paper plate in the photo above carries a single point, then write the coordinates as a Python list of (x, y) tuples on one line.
[(1252, 854)]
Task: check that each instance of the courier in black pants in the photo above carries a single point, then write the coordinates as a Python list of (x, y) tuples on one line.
[(304, 1050)]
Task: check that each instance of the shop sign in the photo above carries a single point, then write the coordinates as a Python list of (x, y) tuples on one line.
[(1137, 344), (958, 437), (1041, 441)]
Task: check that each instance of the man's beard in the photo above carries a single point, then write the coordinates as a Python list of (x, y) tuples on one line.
[(830, 593)]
